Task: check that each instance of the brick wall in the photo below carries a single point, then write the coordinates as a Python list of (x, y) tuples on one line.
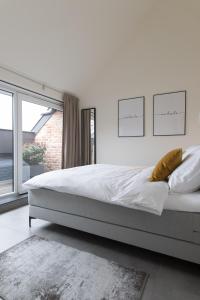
[(50, 136)]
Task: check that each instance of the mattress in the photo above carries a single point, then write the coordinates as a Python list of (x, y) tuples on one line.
[(183, 202), (173, 223)]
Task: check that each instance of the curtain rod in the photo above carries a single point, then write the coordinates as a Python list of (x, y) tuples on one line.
[(43, 85), (30, 91)]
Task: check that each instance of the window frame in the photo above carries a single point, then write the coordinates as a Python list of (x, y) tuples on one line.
[(33, 97)]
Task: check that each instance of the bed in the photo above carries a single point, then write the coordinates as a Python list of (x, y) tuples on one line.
[(176, 232)]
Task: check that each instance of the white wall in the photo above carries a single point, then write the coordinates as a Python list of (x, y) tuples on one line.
[(163, 57)]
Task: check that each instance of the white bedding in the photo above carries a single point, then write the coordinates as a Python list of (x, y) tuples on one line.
[(126, 186), (183, 202)]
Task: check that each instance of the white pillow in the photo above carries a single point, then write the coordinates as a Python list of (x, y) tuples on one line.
[(186, 178), (191, 150)]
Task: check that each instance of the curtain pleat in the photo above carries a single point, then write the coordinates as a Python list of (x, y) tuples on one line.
[(71, 132)]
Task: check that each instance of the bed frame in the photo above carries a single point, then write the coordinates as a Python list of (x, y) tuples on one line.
[(174, 233)]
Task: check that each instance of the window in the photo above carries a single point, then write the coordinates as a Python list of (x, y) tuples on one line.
[(30, 138), (41, 138), (6, 143)]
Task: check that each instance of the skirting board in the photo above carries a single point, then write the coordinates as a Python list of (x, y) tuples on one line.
[(13, 204), (158, 243)]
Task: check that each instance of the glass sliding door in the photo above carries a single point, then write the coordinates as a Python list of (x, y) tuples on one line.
[(31, 128), (41, 138), (6, 143)]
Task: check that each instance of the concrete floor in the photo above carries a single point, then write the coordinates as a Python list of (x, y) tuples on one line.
[(169, 278)]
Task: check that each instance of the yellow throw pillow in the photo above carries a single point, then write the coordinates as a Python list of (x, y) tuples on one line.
[(167, 165)]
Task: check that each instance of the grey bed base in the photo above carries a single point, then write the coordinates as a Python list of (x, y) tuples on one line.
[(174, 233)]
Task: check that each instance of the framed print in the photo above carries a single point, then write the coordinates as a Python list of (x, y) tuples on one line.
[(131, 117), (169, 114)]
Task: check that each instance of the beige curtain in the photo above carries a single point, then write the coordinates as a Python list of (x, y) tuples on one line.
[(85, 137), (71, 132)]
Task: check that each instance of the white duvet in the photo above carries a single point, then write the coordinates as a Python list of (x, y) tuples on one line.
[(122, 185)]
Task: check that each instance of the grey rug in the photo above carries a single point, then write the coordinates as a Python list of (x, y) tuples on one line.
[(38, 269)]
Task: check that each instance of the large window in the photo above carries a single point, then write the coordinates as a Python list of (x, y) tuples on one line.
[(6, 143), (30, 138)]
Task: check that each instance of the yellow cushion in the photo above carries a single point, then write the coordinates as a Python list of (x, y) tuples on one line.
[(167, 165)]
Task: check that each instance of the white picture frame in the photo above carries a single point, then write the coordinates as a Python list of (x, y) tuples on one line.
[(169, 114), (131, 117)]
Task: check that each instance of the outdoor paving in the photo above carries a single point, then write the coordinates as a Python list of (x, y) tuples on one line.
[(6, 187)]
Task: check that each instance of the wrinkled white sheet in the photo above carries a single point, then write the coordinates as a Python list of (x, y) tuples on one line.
[(122, 185), (183, 202)]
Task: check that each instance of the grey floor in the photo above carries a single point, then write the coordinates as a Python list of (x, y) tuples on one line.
[(169, 278)]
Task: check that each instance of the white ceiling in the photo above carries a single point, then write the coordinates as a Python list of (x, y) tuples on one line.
[(65, 43)]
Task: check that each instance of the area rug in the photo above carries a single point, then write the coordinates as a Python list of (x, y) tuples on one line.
[(39, 269)]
